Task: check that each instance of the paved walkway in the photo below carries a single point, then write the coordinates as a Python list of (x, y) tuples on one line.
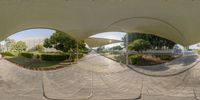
[(96, 78), (174, 67)]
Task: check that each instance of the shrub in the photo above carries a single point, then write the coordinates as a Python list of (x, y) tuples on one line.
[(74, 56), (38, 56), (80, 55), (27, 54), (85, 52), (39, 48), (19, 46), (7, 54), (198, 51), (165, 57), (54, 57), (135, 59)]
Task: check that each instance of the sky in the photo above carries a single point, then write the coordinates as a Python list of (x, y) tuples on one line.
[(45, 33), (32, 33), (110, 35)]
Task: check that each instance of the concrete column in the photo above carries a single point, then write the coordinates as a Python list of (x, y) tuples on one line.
[(186, 48), (77, 52), (126, 44)]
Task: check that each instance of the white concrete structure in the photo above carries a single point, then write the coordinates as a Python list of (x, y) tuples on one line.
[(95, 42), (176, 20), (96, 77)]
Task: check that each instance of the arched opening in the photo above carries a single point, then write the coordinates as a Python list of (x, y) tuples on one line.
[(108, 49), (42, 49), (149, 54), (148, 49), (159, 54)]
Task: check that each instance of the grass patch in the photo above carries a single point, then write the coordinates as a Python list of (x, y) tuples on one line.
[(27, 55), (41, 61), (9, 54), (54, 57), (147, 60), (198, 51), (32, 63), (141, 60)]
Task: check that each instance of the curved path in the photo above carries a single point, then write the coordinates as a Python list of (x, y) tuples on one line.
[(96, 78), (171, 68)]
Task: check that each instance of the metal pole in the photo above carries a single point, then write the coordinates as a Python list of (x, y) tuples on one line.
[(126, 44)]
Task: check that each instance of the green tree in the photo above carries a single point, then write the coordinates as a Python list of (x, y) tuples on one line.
[(62, 41), (19, 46), (47, 43), (100, 49), (116, 48), (139, 45), (39, 48), (82, 46), (156, 41)]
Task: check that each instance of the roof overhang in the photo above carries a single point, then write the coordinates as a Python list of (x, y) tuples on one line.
[(96, 42), (177, 20)]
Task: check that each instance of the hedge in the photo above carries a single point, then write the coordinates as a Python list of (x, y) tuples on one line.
[(80, 55), (135, 59), (54, 57), (74, 56), (27, 54), (7, 54), (198, 51), (165, 57)]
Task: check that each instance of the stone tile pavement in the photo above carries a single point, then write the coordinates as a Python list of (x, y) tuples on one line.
[(96, 78)]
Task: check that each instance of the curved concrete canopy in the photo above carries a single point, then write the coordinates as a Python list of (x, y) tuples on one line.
[(177, 20), (95, 42)]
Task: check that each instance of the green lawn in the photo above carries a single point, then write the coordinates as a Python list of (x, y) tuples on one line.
[(33, 63), (145, 61)]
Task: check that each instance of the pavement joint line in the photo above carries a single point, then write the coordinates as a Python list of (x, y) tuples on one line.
[(49, 98), (141, 90), (92, 86), (136, 98), (168, 75), (93, 77), (195, 95)]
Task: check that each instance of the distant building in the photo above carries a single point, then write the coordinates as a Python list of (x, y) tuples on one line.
[(3, 48), (6, 44), (30, 42), (33, 42)]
